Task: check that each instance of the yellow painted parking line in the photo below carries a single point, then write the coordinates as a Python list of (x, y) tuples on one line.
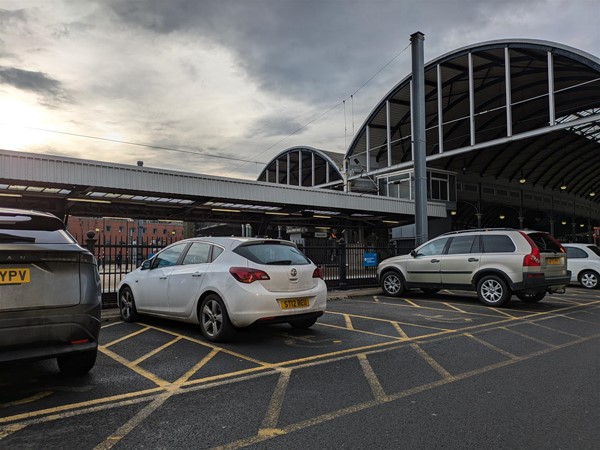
[(432, 362), (538, 324), (376, 298), (124, 338), (58, 412), (269, 423), (212, 346), (136, 420), (376, 319), (491, 346), (400, 330), (130, 365), (253, 440), (531, 338), (155, 351), (374, 383), (111, 324), (10, 429), (500, 311), (359, 331), (449, 305), (348, 322), (33, 398), (410, 302)]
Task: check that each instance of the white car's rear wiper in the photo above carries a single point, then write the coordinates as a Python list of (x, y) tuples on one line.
[(281, 262)]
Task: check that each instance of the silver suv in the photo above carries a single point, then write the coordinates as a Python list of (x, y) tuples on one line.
[(50, 295), (496, 263)]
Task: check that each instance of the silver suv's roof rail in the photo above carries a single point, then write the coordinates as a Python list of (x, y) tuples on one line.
[(479, 230)]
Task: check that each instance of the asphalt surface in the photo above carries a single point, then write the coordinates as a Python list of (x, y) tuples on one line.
[(420, 371)]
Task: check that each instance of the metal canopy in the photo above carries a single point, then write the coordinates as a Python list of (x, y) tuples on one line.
[(68, 186), (498, 111)]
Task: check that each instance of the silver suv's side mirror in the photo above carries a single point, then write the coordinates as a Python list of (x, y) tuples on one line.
[(413, 253)]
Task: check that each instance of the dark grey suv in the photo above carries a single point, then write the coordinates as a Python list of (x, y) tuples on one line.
[(50, 295)]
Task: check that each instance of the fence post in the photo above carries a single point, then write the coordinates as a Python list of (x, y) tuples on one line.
[(90, 242), (343, 259)]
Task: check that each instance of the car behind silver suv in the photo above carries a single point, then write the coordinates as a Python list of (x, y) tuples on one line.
[(50, 296), (496, 263)]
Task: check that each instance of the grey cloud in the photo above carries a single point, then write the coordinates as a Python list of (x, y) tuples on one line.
[(295, 48), (49, 89), (10, 17), (274, 126)]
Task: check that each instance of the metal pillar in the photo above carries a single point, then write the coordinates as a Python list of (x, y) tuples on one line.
[(418, 122)]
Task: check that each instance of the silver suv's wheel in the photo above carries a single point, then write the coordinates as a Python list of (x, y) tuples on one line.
[(392, 283), (588, 279), (493, 291)]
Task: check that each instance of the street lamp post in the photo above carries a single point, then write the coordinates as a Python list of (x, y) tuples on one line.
[(477, 208)]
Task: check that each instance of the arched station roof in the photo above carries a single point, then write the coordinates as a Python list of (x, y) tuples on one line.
[(303, 166), (498, 111)]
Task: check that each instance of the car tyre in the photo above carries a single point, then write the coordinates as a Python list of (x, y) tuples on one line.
[(77, 364), (493, 291), (214, 320), (127, 307), (531, 297), (589, 279), (392, 283), (303, 324)]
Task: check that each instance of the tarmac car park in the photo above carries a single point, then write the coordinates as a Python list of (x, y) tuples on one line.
[(374, 370)]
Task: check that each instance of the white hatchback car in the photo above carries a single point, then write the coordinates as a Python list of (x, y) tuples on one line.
[(226, 283), (583, 260)]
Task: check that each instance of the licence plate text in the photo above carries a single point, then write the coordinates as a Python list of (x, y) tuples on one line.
[(553, 261), (14, 276), (293, 303)]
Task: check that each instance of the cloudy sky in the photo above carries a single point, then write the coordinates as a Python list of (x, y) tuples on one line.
[(221, 86)]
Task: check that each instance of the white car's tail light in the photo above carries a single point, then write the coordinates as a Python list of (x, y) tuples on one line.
[(318, 273), (247, 275)]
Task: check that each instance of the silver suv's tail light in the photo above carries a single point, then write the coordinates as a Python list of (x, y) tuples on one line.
[(533, 259)]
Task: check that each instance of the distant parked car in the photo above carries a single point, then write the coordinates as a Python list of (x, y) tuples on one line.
[(226, 283), (50, 295), (583, 260), (495, 263)]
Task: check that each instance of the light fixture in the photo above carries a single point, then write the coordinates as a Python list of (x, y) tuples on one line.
[(390, 221), (592, 194), (316, 216), (502, 216), (226, 210), (10, 195), (564, 222), (522, 180), (274, 213), (582, 225), (87, 200), (563, 186), (452, 213)]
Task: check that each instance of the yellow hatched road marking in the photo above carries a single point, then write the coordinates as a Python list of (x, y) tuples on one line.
[(376, 319), (155, 351), (348, 322), (374, 383), (400, 330), (130, 365), (33, 398), (10, 429), (410, 302), (269, 423), (432, 362), (124, 338), (449, 305), (491, 346)]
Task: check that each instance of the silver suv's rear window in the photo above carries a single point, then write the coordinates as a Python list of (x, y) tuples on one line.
[(545, 242), (272, 254), (18, 228)]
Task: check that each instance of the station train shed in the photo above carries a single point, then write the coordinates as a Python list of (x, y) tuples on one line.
[(512, 140)]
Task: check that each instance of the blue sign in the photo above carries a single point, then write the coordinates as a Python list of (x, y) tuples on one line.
[(370, 259)]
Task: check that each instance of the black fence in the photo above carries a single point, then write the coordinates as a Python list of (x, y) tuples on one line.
[(344, 265)]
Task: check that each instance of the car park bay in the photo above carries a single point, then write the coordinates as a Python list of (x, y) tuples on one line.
[(408, 361)]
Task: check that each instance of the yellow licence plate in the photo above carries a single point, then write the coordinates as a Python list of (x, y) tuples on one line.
[(553, 261), (14, 276), (292, 303)]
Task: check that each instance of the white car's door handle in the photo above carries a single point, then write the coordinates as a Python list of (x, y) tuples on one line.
[(162, 278), (196, 274)]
